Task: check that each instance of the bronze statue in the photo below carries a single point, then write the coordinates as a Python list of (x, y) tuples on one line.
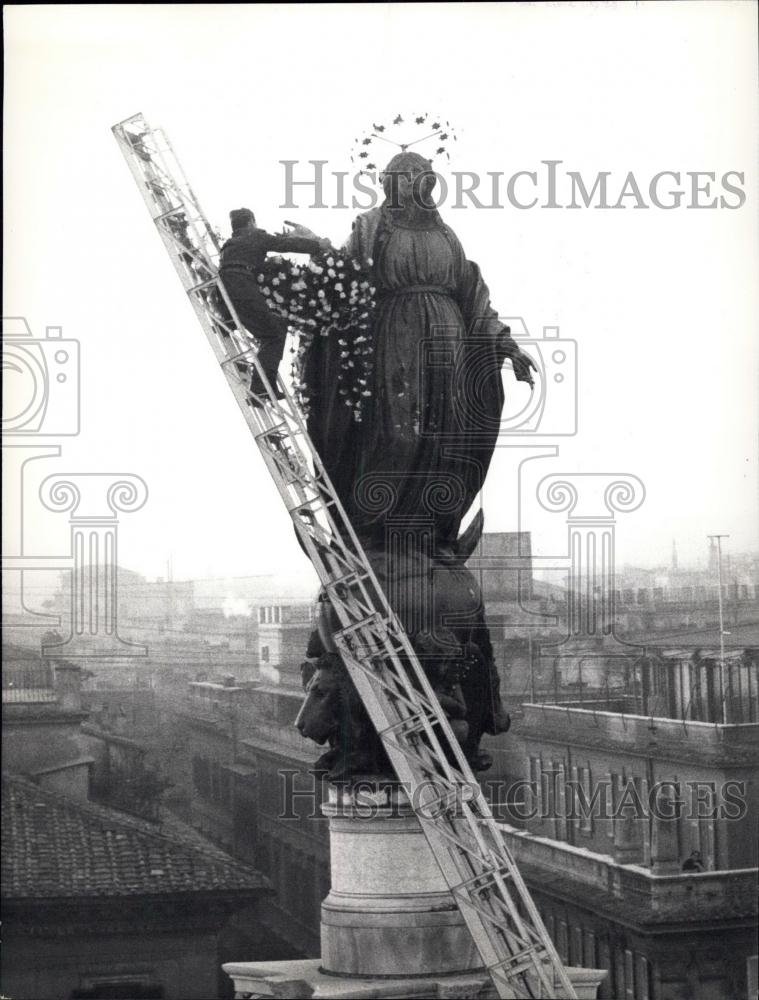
[(409, 471)]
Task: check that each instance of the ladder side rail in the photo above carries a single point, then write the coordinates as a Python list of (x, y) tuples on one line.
[(347, 614), (401, 762), (454, 870), (176, 170), (235, 380)]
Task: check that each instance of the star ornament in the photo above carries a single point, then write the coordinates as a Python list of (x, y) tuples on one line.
[(430, 135)]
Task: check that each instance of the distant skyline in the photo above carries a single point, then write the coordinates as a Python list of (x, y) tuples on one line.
[(41, 585)]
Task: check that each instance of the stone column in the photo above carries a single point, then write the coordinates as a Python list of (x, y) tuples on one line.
[(665, 846), (388, 910), (389, 928)]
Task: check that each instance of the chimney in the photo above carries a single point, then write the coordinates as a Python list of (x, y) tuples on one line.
[(68, 685)]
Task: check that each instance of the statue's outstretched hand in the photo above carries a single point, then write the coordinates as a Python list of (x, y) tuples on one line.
[(523, 366)]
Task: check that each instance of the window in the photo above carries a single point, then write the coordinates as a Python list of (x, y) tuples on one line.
[(583, 805), (612, 787), (120, 989), (752, 976), (576, 956), (642, 978), (534, 804), (562, 941), (201, 776), (264, 654)]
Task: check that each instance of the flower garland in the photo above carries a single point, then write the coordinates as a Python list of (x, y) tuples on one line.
[(331, 296)]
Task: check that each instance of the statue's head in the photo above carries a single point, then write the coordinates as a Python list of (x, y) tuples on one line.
[(408, 179)]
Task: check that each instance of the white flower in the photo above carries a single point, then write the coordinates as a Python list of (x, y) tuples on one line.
[(278, 297), (275, 281), (339, 263), (320, 293), (338, 287), (266, 291), (369, 261), (331, 272), (312, 302), (260, 279), (331, 261)]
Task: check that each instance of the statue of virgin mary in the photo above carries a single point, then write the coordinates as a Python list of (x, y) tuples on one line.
[(433, 408)]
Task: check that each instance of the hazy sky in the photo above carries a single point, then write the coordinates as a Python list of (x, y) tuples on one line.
[(662, 304)]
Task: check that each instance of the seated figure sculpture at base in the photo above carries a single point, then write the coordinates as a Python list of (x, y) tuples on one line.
[(439, 604)]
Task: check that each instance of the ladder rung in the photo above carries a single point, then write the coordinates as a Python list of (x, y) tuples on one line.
[(274, 432), (443, 804), (409, 727), (522, 962), (373, 620), (171, 211), (485, 880), (201, 285)]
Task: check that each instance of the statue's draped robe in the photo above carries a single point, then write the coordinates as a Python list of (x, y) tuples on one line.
[(424, 444)]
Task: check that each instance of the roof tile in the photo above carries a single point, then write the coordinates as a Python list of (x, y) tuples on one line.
[(56, 847)]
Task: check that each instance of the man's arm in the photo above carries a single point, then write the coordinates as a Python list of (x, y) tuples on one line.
[(289, 244)]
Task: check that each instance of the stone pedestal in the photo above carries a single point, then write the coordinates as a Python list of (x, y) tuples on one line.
[(389, 926), (300, 980), (389, 910)]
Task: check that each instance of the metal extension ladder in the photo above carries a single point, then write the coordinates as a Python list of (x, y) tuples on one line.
[(504, 923)]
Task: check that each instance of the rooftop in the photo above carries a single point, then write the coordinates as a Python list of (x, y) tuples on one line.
[(737, 637), (54, 847)]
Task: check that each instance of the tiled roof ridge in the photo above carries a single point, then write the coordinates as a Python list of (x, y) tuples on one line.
[(109, 820)]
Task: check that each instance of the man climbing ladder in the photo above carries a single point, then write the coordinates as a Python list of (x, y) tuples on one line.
[(242, 258)]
